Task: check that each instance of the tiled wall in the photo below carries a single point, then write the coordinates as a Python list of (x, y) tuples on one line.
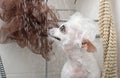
[(116, 16), (22, 63)]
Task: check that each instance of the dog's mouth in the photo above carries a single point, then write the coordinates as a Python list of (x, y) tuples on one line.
[(55, 37)]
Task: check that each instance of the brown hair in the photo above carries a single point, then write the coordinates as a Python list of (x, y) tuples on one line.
[(27, 23)]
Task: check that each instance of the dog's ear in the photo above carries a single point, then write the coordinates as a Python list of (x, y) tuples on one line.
[(87, 44)]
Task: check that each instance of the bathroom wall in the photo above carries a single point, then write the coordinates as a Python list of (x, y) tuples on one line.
[(22, 63), (116, 16)]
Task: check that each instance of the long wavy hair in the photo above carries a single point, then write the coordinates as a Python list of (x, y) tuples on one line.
[(27, 22)]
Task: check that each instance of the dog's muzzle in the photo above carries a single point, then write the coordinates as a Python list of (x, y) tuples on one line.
[(55, 37)]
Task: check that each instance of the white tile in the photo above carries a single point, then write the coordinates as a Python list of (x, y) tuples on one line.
[(26, 75), (61, 4), (88, 8), (54, 75), (19, 60), (65, 15)]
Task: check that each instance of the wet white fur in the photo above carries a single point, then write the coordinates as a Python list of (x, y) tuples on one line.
[(80, 63)]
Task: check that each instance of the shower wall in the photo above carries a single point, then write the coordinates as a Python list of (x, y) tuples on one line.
[(116, 16), (22, 63)]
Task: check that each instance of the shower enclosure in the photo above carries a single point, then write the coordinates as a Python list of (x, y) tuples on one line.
[(22, 63)]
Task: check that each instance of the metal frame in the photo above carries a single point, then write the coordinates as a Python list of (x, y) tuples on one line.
[(2, 71)]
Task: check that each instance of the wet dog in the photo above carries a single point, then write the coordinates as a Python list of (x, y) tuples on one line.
[(76, 37)]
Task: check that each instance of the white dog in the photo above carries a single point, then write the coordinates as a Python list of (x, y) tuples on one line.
[(76, 37)]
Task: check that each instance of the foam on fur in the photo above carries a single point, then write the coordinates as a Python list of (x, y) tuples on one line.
[(84, 25), (81, 61)]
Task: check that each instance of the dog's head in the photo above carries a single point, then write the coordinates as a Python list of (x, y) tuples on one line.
[(77, 30)]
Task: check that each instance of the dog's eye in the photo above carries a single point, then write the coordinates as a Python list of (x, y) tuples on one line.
[(62, 28)]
